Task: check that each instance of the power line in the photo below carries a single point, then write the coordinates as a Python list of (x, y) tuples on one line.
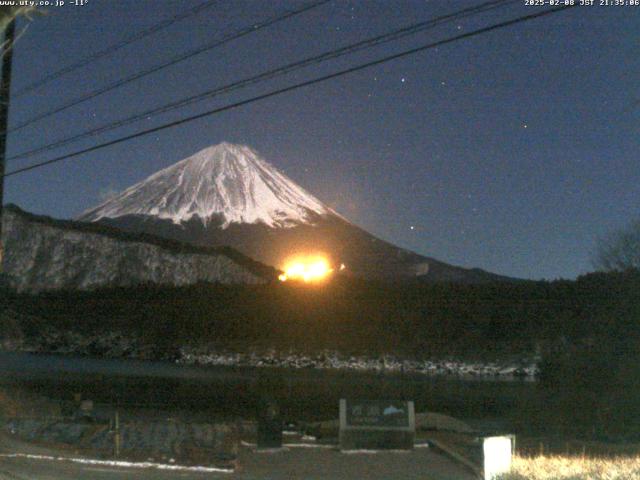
[(277, 72), (254, 27), (115, 47), (296, 86)]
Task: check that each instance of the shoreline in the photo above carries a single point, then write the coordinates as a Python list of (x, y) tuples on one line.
[(523, 369), (384, 364)]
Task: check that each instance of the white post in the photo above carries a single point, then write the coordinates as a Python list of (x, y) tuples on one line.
[(497, 456)]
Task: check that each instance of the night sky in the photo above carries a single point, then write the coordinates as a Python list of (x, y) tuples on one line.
[(512, 151)]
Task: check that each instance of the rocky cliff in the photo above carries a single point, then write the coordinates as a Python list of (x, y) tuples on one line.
[(42, 253)]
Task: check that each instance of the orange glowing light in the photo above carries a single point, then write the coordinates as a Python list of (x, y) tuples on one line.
[(308, 269)]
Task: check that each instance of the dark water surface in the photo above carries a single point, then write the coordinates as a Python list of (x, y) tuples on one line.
[(220, 391)]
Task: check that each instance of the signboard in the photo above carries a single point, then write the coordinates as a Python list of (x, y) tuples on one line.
[(367, 413), (376, 424)]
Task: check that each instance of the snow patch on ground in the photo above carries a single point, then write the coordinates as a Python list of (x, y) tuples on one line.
[(383, 364), (118, 463)]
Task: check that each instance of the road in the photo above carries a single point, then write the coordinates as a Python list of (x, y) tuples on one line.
[(290, 464)]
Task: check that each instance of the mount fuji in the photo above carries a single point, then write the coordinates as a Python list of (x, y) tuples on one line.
[(228, 195)]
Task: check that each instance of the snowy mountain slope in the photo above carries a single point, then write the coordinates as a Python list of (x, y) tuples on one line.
[(227, 181), (228, 195)]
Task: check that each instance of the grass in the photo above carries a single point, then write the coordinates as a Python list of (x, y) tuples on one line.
[(559, 467)]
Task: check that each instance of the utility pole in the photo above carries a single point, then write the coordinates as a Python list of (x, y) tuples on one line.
[(5, 92)]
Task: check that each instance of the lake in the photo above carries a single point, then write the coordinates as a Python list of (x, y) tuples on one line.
[(226, 392)]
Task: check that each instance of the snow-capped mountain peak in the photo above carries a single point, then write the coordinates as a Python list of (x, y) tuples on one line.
[(227, 181)]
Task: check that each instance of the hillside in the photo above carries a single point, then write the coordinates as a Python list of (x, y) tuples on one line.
[(42, 253), (227, 194)]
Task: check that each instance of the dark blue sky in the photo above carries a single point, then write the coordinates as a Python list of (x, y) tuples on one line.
[(512, 151)]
